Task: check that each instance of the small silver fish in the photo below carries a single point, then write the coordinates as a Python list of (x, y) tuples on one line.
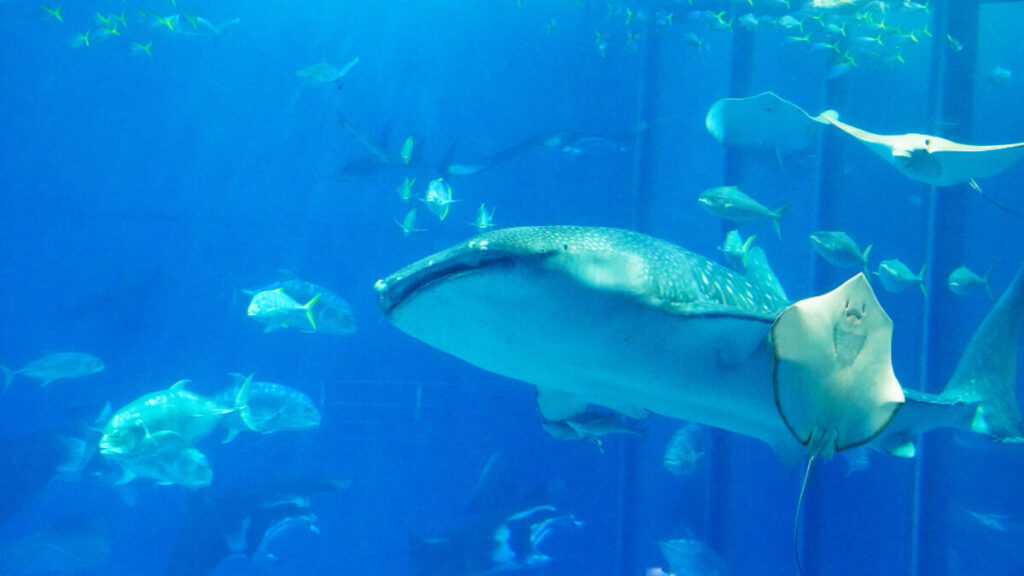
[(789, 22), (993, 521), (999, 76), (55, 366), (729, 203), (748, 21), (838, 249), (589, 427), (325, 72), (896, 277), (685, 450), (954, 44), (691, 556), (963, 281)]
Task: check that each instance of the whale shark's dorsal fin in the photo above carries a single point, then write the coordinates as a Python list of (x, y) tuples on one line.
[(760, 274), (834, 384)]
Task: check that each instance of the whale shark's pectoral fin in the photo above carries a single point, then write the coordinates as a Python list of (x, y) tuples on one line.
[(557, 406), (833, 378)]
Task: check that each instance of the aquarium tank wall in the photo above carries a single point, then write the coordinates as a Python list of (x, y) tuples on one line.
[(460, 288)]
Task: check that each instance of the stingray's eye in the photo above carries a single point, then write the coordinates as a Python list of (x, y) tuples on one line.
[(927, 141)]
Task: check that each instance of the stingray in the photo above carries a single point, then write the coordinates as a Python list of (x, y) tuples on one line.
[(764, 121), (935, 160)]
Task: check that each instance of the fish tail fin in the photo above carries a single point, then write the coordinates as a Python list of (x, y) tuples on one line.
[(309, 310), (867, 253), (8, 376), (777, 218), (745, 249), (987, 371), (242, 405), (78, 454), (988, 285), (920, 279), (232, 432)]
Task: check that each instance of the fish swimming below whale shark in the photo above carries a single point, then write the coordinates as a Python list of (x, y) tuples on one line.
[(618, 319)]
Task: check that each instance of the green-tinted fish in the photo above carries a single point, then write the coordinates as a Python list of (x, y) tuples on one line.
[(325, 72), (408, 224), (484, 218), (736, 250), (277, 309), (169, 22), (838, 249), (271, 408), (729, 203), (438, 198), (406, 153), (140, 48), (964, 281), (53, 12), (80, 39), (332, 313), (175, 409), (55, 366), (405, 189)]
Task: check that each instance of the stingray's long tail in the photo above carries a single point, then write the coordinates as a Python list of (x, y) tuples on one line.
[(796, 520), (974, 186)]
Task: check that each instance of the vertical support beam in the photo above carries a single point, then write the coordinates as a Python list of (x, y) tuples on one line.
[(647, 91), (640, 196), (739, 87), (719, 485), (951, 102)]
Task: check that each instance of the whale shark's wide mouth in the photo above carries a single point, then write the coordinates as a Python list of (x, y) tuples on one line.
[(456, 261)]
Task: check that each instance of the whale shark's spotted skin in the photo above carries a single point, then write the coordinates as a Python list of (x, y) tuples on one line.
[(652, 270)]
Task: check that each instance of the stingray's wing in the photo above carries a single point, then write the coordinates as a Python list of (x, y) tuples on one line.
[(762, 121), (961, 162)]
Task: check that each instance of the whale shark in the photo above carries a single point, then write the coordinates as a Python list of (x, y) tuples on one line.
[(621, 320), (628, 322)]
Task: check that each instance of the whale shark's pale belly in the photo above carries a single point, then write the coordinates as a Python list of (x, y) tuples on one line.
[(579, 345)]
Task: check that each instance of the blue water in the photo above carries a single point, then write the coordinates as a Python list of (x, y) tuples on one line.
[(139, 195)]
